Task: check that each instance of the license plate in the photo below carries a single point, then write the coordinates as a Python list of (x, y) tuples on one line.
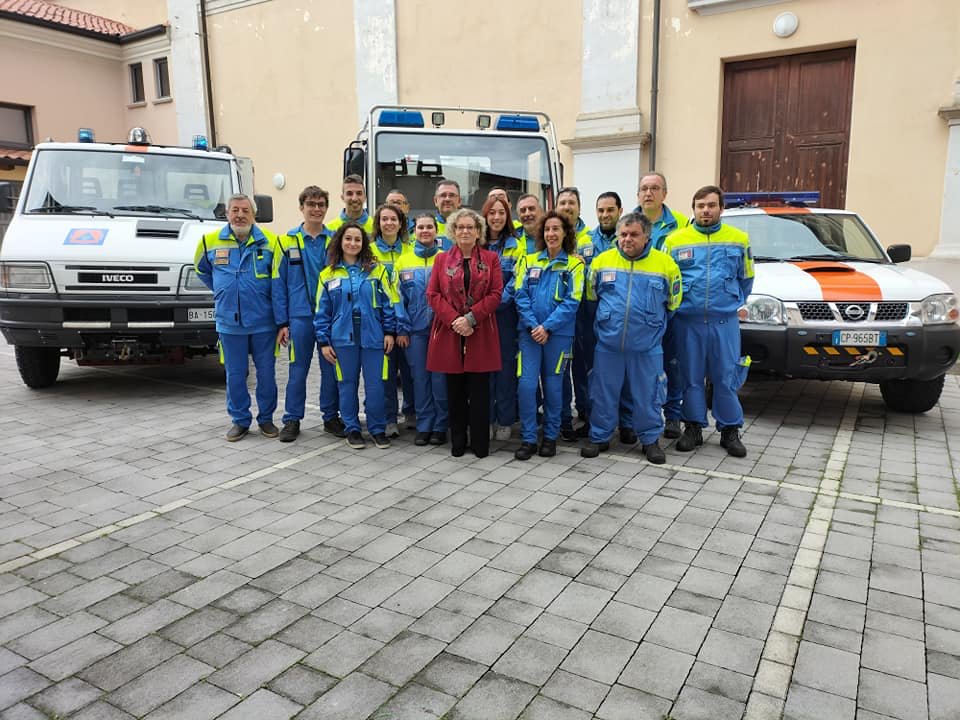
[(200, 314), (867, 338)]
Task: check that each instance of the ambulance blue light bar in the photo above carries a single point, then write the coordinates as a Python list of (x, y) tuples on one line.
[(518, 123), (401, 118), (746, 199), (85, 135), (200, 142)]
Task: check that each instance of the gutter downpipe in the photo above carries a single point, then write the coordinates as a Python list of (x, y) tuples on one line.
[(208, 81), (654, 84)]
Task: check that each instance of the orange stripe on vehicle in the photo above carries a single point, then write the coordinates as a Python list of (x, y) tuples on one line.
[(839, 282), (786, 210)]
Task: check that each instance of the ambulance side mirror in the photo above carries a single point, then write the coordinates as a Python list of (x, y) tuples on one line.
[(264, 208), (899, 253)]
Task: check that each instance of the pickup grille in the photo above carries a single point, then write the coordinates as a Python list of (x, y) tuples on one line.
[(815, 311), (847, 312)]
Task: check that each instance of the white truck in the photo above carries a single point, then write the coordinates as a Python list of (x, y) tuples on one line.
[(97, 262)]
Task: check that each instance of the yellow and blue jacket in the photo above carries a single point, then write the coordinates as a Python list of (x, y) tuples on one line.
[(510, 252), (352, 299), (669, 221), (365, 221), (548, 292), (241, 278), (635, 298), (388, 255), (717, 268), (411, 275), (302, 259)]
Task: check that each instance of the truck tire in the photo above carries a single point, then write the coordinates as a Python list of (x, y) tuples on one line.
[(38, 366), (911, 396)]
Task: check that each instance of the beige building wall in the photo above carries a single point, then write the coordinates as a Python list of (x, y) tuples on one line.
[(906, 61)]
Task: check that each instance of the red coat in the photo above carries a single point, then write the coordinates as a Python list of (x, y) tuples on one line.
[(446, 296)]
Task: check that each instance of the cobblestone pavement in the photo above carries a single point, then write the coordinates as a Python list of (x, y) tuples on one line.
[(149, 569)]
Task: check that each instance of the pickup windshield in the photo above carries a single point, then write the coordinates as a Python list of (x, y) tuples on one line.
[(808, 236), (413, 163), (127, 183)]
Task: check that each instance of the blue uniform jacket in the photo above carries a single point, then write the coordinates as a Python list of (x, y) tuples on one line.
[(387, 255), (346, 291), (509, 251), (600, 243), (669, 221), (548, 292), (302, 259), (365, 221), (717, 268), (241, 278), (411, 275), (635, 298)]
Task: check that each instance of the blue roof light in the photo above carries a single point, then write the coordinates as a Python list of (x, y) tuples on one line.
[(797, 197), (85, 135), (521, 123), (401, 118), (200, 142)]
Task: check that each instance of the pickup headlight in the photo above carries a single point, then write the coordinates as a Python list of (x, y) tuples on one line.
[(762, 309), (190, 282), (25, 277), (939, 309)]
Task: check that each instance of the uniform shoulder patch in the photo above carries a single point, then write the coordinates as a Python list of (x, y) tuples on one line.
[(608, 276), (333, 283), (534, 273), (675, 289)]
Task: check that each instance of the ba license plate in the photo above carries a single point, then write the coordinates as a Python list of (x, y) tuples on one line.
[(867, 338), (200, 314)]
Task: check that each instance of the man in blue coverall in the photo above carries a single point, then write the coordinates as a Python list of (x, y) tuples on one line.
[(304, 256), (239, 264), (717, 268), (636, 288)]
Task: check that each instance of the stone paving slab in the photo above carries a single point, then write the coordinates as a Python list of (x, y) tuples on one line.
[(155, 572)]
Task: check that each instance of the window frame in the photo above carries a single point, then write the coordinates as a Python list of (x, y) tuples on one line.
[(27, 111), (137, 83), (158, 86)]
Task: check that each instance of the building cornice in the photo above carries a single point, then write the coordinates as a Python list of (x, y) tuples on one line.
[(146, 48), (214, 7), (60, 40), (950, 113), (714, 7)]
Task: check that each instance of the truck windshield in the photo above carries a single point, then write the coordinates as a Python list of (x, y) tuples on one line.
[(414, 162), (127, 183), (808, 236)]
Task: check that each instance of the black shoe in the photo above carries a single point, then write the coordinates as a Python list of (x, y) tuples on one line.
[(438, 438), (335, 427), (381, 441), (236, 432), (692, 437), (291, 429), (627, 436), (268, 429), (730, 440), (548, 448), (655, 453), (355, 440), (594, 449), (525, 451), (671, 429), (422, 438), (458, 450), (568, 434)]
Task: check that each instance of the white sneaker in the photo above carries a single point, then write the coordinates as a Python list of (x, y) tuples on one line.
[(502, 433), (392, 430)]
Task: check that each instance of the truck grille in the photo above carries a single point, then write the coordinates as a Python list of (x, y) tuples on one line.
[(853, 311), (892, 311), (815, 311)]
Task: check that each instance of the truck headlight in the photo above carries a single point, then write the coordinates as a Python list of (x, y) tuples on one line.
[(939, 309), (190, 282), (762, 309), (25, 277)]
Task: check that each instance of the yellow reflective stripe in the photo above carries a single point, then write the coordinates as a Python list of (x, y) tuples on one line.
[(293, 353), (810, 350), (276, 348), (336, 367), (895, 351), (559, 367), (831, 351), (386, 366), (519, 362), (220, 352), (852, 350)]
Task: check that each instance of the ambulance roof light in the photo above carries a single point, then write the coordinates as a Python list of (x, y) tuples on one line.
[(799, 198), (138, 136), (401, 118), (518, 123), (200, 142), (85, 135)]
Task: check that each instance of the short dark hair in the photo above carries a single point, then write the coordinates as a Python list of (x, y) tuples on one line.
[(613, 196), (353, 180), (313, 191), (569, 234), (441, 183), (401, 216), (707, 190), (635, 218), (335, 248), (529, 195), (570, 190), (429, 216)]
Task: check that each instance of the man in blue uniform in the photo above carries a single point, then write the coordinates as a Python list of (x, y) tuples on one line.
[(446, 198), (529, 212), (717, 269), (239, 264), (636, 287), (354, 197), (304, 256)]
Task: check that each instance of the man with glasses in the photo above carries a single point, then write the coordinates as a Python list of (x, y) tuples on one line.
[(446, 198)]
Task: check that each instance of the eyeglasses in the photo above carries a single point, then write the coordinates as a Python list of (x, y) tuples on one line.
[(314, 205), (650, 188), (464, 228)]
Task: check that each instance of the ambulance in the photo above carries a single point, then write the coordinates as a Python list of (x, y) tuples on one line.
[(830, 303), (97, 262)]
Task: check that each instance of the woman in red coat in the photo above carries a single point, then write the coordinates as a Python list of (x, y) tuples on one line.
[(464, 292)]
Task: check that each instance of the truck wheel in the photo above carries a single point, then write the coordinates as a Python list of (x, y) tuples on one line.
[(911, 396), (38, 366)]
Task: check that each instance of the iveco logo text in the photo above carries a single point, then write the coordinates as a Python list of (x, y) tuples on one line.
[(115, 278)]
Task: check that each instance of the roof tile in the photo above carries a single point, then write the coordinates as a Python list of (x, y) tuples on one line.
[(68, 17)]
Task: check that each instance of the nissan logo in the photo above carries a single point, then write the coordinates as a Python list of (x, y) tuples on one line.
[(116, 278), (855, 312)]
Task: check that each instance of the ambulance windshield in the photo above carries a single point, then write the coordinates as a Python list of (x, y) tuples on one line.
[(807, 236), (127, 183)]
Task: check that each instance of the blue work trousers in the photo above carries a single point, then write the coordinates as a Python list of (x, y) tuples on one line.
[(543, 366), (235, 352), (671, 366), (503, 384), (584, 342), (351, 360), (429, 388), (711, 349), (303, 342), (648, 389)]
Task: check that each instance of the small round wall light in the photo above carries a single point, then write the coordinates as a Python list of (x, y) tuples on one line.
[(279, 181), (785, 24)]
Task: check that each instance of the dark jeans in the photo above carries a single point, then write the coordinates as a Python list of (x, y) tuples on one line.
[(468, 399)]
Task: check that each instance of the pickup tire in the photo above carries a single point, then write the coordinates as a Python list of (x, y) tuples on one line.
[(911, 396), (38, 366)]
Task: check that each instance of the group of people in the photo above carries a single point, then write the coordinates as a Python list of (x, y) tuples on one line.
[(480, 320)]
